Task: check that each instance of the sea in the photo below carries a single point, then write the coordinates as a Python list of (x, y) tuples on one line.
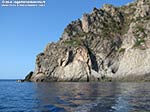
[(74, 97)]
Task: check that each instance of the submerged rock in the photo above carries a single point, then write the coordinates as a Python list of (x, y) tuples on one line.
[(108, 44)]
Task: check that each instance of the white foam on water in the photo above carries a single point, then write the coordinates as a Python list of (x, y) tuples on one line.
[(86, 107)]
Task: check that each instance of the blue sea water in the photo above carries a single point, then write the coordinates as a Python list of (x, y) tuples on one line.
[(74, 97)]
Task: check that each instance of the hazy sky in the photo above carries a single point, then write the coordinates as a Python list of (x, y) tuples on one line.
[(25, 31)]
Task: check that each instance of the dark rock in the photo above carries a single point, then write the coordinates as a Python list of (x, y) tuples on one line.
[(27, 78)]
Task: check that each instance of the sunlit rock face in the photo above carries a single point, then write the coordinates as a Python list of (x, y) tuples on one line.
[(111, 43)]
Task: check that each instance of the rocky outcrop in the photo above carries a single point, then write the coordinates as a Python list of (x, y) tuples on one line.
[(75, 65), (27, 78), (111, 43)]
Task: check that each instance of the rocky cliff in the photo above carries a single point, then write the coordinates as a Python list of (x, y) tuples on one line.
[(111, 43)]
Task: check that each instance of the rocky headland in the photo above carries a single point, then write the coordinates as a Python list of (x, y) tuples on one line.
[(110, 43)]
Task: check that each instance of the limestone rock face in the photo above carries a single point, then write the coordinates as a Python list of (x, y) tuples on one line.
[(111, 43), (143, 8), (71, 66), (77, 67), (135, 63), (85, 22)]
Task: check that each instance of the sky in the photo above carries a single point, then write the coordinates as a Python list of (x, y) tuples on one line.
[(25, 31)]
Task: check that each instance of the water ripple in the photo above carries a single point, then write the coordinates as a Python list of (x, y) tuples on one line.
[(74, 97)]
